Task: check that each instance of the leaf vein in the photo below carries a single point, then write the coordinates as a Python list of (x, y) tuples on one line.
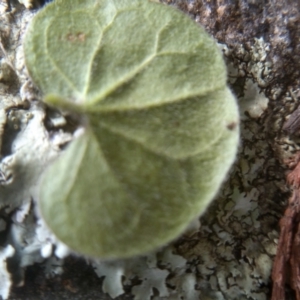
[(123, 80), (58, 69), (159, 103), (89, 72)]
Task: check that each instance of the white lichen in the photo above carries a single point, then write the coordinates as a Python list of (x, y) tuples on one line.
[(5, 277), (254, 102)]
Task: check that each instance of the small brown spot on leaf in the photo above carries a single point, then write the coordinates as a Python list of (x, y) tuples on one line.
[(75, 37), (232, 125)]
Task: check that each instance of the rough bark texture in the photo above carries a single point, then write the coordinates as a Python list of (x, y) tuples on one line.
[(231, 255)]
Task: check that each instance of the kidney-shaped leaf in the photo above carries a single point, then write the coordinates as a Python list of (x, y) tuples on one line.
[(163, 126), (121, 54)]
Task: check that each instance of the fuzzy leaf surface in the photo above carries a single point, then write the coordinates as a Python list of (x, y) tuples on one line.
[(163, 126)]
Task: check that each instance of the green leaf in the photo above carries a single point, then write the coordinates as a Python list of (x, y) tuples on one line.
[(163, 126), (116, 53)]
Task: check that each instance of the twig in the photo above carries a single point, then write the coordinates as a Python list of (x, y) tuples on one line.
[(286, 266)]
